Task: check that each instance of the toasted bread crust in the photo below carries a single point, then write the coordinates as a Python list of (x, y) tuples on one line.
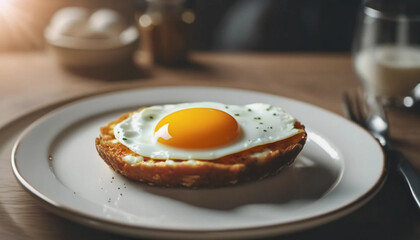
[(248, 165)]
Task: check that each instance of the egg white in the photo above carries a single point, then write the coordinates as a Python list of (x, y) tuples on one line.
[(260, 124)]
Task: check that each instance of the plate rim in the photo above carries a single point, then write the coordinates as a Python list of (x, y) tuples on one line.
[(92, 221)]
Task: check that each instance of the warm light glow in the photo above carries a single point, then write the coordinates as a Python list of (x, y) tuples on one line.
[(145, 21), (188, 16), (17, 27), (6, 8), (4, 4)]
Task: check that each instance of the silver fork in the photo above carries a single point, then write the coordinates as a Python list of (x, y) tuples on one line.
[(370, 114)]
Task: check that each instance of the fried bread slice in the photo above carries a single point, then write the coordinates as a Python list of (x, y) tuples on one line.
[(249, 165)]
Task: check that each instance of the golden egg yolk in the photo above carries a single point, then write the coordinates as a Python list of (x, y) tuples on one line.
[(197, 128)]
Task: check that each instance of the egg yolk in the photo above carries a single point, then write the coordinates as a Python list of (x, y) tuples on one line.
[(196, 128)]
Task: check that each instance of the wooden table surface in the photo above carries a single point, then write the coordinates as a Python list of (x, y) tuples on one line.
[(33, 84)]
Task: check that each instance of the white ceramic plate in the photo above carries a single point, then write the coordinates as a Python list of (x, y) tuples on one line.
[(340, 168)]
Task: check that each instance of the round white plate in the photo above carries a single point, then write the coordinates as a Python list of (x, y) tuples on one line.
[(340, 168)]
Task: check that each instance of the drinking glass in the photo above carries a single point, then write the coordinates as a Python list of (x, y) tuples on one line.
[(386, 50)]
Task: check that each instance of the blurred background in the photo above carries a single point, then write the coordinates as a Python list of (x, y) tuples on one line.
[(217, 25)]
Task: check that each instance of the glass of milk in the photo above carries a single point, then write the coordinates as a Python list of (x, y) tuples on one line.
[(386, 50)]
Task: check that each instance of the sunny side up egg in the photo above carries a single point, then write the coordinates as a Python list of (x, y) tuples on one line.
[(203, 130)]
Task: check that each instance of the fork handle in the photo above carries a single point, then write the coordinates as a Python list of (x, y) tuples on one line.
[(410, 174)]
